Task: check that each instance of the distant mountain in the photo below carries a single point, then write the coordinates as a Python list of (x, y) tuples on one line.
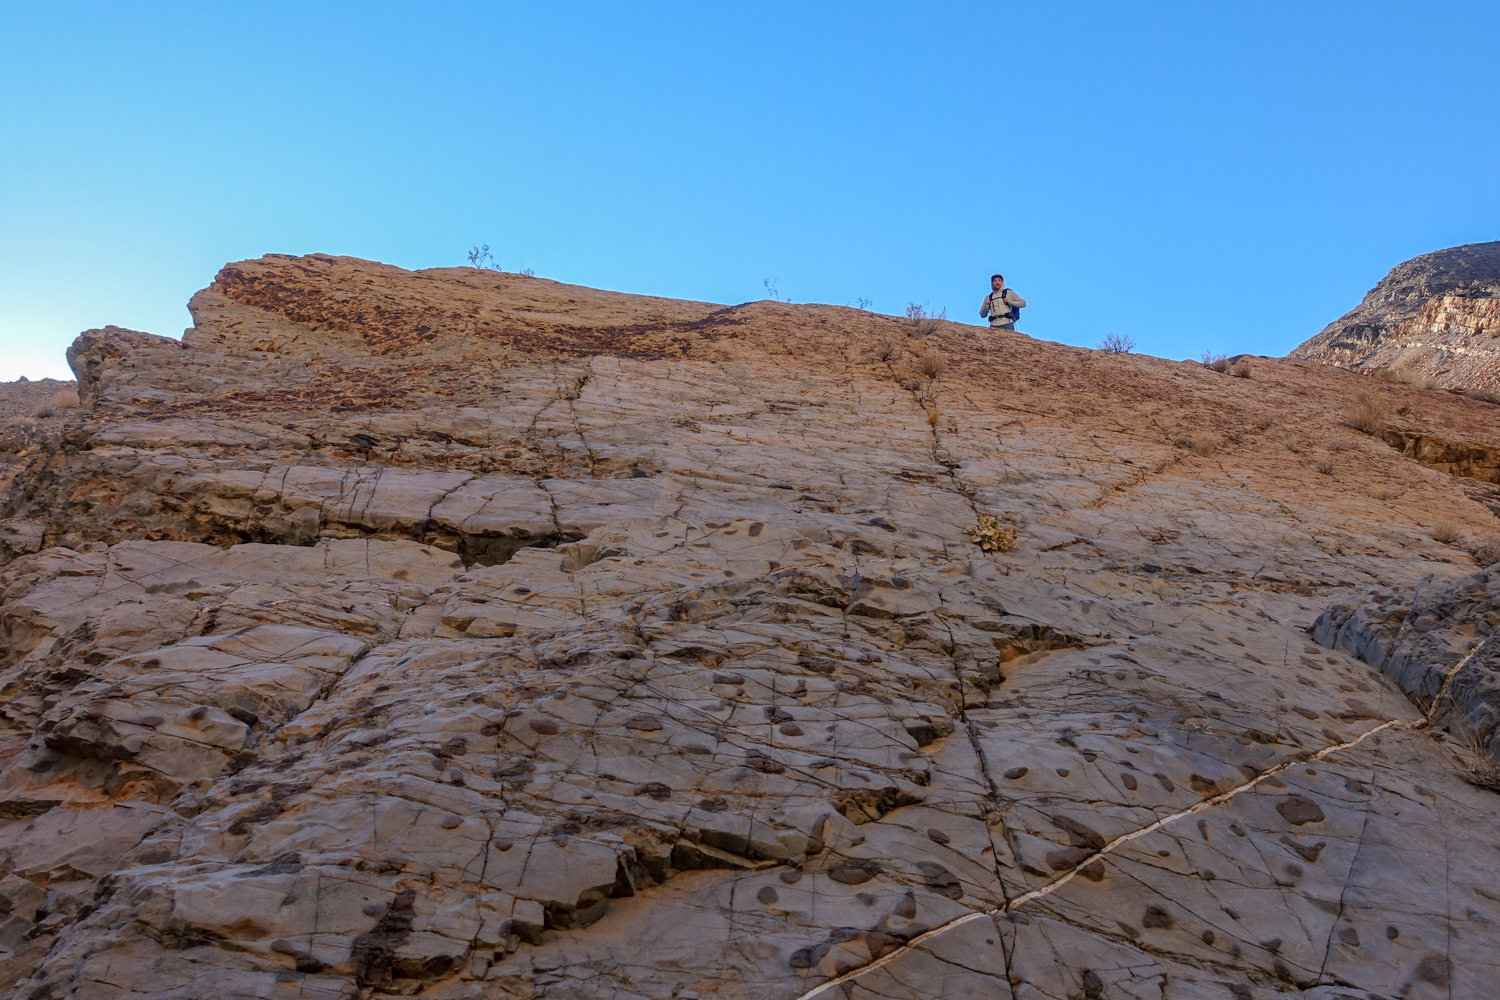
[(1436, 315)]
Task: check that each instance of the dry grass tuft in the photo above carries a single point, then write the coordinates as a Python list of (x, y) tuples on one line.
[(1198, 443), (1220, 365), (1484, 396), (1405, 376), (993, 535), (886, 348), (933, 416), (922, 321), (1325, 466), (66, 400), (1446, 530), (932, 362), (1241, 370), (1367, 414)]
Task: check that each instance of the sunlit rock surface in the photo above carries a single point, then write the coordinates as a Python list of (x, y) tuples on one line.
[(1435, 316), (463, 634)]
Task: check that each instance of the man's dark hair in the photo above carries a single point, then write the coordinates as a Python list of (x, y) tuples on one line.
[(1000, 276)]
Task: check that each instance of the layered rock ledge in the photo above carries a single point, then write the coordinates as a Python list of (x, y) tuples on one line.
[(462, 634), (1435, 316)]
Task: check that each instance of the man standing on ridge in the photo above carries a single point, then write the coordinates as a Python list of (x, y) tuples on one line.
[(1002, 306)]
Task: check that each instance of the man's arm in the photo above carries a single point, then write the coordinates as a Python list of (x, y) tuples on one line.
[(1011, 298), (984, 308)]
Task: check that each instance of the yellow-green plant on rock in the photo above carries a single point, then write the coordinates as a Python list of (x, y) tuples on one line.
[(993, 535)]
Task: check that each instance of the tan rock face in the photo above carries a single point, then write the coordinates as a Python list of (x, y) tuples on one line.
[(471, 635), (1437, 315)]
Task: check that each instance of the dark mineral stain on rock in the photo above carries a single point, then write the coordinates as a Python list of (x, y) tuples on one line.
[(1299, 810), (1016, 772), (1157, 917), (806, 958), (940, 880), (855, 871), (767, 895), (1434, 969)]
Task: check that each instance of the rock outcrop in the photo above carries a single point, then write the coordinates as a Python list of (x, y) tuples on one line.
[(1439, 642), (463, 634), (1434, 316)]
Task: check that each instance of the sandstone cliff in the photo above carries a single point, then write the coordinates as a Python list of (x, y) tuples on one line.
[(462, 634), (1437, 315)]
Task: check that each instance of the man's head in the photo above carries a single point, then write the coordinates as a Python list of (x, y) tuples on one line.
[(997, 281)]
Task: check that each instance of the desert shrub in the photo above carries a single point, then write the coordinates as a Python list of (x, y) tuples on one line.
[(1380, 493), (886, 348), (1406, 376), (65, 400), (992, 535), (480, 256), (1117, 343), (922, 321), (1446, 530), (1325, 466), (932, 362), (1367, 414), (1211, 358), (1241, 370), (933, 416)]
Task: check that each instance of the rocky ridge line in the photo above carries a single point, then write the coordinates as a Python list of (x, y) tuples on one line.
[(553, 642), (1437, 315)]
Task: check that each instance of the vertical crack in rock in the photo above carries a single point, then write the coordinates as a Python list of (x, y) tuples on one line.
[(570, 394), (1333, 925), (971, 730), (1109, 848)]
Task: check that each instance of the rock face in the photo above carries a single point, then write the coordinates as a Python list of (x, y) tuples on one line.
[(1438, 641), (462, 634), (1437, 315)]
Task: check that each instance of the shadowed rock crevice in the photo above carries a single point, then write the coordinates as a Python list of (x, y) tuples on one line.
[(1456, 458)]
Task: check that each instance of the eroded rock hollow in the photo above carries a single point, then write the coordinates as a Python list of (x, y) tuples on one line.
[(462, 634)]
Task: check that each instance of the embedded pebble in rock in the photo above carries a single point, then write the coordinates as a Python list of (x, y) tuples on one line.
[(466, 634)]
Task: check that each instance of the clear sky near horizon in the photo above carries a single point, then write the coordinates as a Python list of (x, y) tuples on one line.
[(1197, 176)]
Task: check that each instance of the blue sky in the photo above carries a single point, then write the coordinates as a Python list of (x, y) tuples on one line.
[(1205, 176)]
